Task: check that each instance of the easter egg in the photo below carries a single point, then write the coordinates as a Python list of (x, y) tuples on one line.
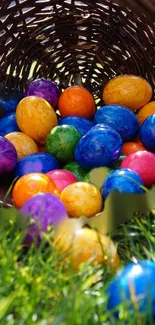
[(8, 156), (40, 162), (23, 143), (76, 170), (145, 112), (147, 133), (45, 89), (10, 99), (62, 178), (101, 126), (8, 124), (82, 199), (143, 163), (81, 124), (86, 245), (127, 90), (122, 180), (98, 148), (45, 209), (36, 118), (130, 147), (97, 176), (30, 185), (133, 286), (61, 142), (120, 119), (76, 101)]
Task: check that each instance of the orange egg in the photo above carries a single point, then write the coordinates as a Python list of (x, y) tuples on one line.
[(87, 245), (82, 199), (36, 118), (76, 101), (130, 147), (128, 90), (23, 143), (145, 112), (30, 185)]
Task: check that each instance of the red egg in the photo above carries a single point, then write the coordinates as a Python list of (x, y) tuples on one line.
[(142, 162), (62, 178)]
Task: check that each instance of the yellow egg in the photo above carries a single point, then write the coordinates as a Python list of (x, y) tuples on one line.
[(130, 91), (82, 199), (87, 245), (23, 143), (36, 118)]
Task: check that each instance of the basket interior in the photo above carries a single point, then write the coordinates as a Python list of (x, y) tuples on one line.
[(73, 42)]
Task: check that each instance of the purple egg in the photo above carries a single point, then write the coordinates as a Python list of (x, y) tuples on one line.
[(8, 156), (46, 89), (45, 209)]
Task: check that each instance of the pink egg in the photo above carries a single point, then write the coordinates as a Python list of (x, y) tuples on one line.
[(62, 178), (142, 162)]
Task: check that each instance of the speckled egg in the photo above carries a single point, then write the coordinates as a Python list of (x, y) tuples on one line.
[(120, 119), (147, 133), (23, 143), (8, 156), (76, 170), (31, 184), (81, 124), (98, 148), (133, 286), (36, 118), (127, 90), (62, 178), (142, 162), (46, 89), (61, 142), (122, 180), (87, 245), (40, 162), (8, 124), (45, 209), (82, 199)]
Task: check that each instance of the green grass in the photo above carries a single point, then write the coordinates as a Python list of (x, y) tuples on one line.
[(35, 288)]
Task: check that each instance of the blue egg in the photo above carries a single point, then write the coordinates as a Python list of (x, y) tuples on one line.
[(80, 123), (120, 119), (123, 180), (101, 147), (147, 133), (8, 124), (134, 281), (10, 100), (36, 163), (101, 126)]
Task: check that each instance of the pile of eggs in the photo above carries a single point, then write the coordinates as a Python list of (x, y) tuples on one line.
[(54, 139)]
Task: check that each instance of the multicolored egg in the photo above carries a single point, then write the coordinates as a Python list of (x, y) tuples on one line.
[(128, 90), (133, 286), (36, 118), (40, 162), (147, 133), (143, 163), (62, 178), (120, 119), (30, 185), (101, 147), (76, 170), (23, 143), (82, 124), (8, 156), (76, 101), (61, 142), (122, 180), (82, 199), (8, 124), (46, 89)]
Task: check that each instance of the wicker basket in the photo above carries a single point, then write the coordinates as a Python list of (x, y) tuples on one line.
[(74, 42)]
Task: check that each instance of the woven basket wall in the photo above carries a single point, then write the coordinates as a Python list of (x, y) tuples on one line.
[(75, 42)]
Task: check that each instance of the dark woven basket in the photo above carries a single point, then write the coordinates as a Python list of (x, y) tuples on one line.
[(74, 42)]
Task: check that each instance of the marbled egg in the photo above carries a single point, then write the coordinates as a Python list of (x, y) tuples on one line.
[(80, 123), (8, 156), (147, 133), (8, 124), (23, 143)]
